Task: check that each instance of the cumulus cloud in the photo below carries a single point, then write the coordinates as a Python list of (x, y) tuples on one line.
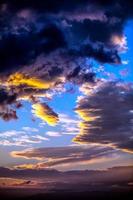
[(107, 113), (45, 113)]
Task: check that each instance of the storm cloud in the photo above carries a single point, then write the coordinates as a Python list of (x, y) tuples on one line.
[(35, 28), (43, 45)]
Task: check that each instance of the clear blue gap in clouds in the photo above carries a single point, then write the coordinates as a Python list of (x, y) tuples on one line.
[(66, 102), (62, 104)]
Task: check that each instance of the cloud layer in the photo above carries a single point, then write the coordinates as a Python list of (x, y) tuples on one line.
[(111, 178), (65, 156)]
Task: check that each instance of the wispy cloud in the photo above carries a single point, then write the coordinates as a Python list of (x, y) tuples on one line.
[(5, 142), (39, 137), (30, 129), (21, 138), (53, 134), (7, 134), (67, 156), (69, 125)]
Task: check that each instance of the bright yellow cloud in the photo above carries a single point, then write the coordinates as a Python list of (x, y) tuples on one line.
[(45, 113), (21, 79), (25, 166), (83, 113)]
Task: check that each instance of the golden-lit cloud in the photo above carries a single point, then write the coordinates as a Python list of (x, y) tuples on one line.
[(25, 166), (44, 112), (83, 113), (18, 79), (120, 41)]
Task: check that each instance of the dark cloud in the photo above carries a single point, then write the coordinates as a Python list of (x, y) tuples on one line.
[(49, 41), (98, 52), (27, 45), (108, 116), (6, 98), (33, 28), (7, 112), (55, 7)]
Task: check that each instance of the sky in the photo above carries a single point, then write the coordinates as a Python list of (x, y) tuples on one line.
[(66, 88)]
